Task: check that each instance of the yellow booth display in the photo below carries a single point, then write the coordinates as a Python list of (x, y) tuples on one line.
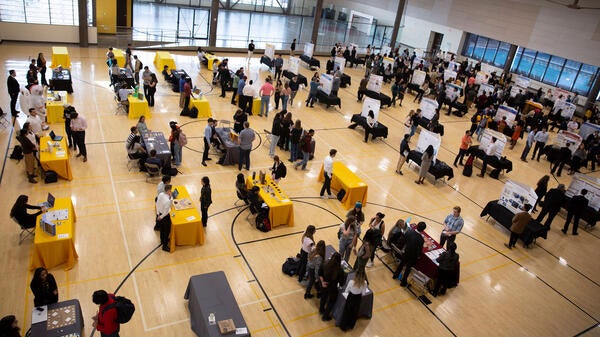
[(60, 56), (186, 224), (211, 60), (202, 105), (531, 105), (281, 208), (120, 57), (162, 59), (138, 107), (50, 251), (55, 109), (343, 178), (256, 106), (57, 159)]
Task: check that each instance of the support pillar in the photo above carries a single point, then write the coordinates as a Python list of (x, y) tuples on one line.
[(317, 22), (510, 58), (83, 24), (214, 18), (397, 22)]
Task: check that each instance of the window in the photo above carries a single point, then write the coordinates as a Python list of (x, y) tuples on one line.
[(568, 74), (486, 50), (470, 44), (539, 66), (526, 62), (554, 69), (480, 47), (502, 54), (490, 51), (49, 12), (585, 79)]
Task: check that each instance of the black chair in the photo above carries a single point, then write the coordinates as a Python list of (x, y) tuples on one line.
[(25, 231), (152, 171), (240, 198)]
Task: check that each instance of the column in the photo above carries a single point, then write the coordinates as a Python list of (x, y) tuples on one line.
[(83, 24), (510, 58), (399, 15), (214, 18), (591, 98), (317, 22)]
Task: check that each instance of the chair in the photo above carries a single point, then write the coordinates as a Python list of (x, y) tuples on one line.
[(25, 232), (152, 171), (268, 137), (131, 162), (239, 198), (120, 106)]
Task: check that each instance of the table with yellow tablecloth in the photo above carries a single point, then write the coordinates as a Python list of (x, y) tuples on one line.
[(202, 105), (210, 60), (162, 59), (56, 160), (50, 251), (186, 225), (120, 57), (256, 106), (60, 56), (343, 178), (531, 105), (281, 208), (138, 107), (55, 109)]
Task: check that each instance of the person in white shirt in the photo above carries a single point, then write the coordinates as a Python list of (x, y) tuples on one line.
[(249, 92), (490, 153), (160, 188), (355, 289), (163, 217), (78, 126), (35, 122), (541, 137), (123, 94), (572, 125), (328, 174)]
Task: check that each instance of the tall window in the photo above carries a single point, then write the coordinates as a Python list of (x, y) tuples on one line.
[(50, 12), (486, 50)]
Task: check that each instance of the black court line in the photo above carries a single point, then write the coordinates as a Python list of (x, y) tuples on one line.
[(569, 265), (595, 326), (12, 129)]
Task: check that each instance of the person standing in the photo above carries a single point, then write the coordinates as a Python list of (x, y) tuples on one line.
[(250, 49), (276, 131), (519, 222), (576, 208), (278, 63), (265, 92), (245, 139), (312, 92), (235, 82), (330, 275), (278, 90), (146, 77), (315, 260), (426, 161), (238, 120), (564, 155), (205, 199), (305, 147), (328, 174), (404, 151), (41, 68), (355, 289), (412, 251), (528, 144), (490, 153), (105, 320), (163, 216), (78, 127), (294, 86), (152, 89), (465, 143), (293, 47), (278, 170), (553, 201), (13, 91), (453, 224), (44, 288), (348, 237), (248, 94), (307, 242), (541, 137), (448, 264), (540, 190), (285, 95), (187, 94), (29, 146), (207, 138), (136, 69)]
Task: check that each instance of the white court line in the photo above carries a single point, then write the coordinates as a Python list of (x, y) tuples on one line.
[(167, 325)]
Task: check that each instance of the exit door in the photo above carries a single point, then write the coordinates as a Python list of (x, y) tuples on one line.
[(435, 42)]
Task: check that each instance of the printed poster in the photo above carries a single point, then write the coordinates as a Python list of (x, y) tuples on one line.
[(568, 109), (508, 112), (489, 89), (388, 61), (294, 63), (370, 104), (308, 49), (481, 77), (427, 138), (591, 184), (450, 93), (486, 140), (418, 77), (386, 50), (326, 82), (428, 108), (339, 62), (587, 129), (448, 74), (515, 195), (270, 51), (563, 137), (522, 81), (515, 90), (375, 82)]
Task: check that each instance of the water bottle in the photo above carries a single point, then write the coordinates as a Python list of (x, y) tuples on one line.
[(211, 319)]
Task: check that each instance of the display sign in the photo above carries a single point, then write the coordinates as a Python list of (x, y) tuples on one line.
[(294, 64), (515, 195), (483, 87), (567, 110), (386, 50), (448, 74), (515, 90), (375, 82), (558, 92), (371, 104), (482, 77), (486, 68), (326, 83), (587, 129), (339, 62), (563, 137), (453, 90), (427, 138), (418, 77), (270, 51), (388, 61), (522, 82), (508, 112), (486, 140), (591, 184), (428, 108), (308, 49)]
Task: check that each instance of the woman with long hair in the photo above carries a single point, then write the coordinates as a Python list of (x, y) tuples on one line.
[(285, 95), (315, 259), (308, 242), (44, 288), (355, 288), (347, 236), (278, 89), (330, 275), (205, 199), (541, 189), (152, 89), (19, 212), (41, 67), (241, 189), (426, 161), (375, 234), (284, 137), (295, 136)]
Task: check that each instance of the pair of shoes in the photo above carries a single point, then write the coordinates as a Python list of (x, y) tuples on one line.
[(208, 158), (507, 246), (523, 159), (307, 296), (331, 196), (157, 228), (461, 164), (31, 180), (84, 159), (78, 155), (454, 165), (403, 284), (166, 248), (326, 318), (575, 233), (564, 231), (370, 264), (203, 164), (323, 197)]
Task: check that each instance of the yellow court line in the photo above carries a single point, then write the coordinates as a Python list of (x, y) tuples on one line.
[(182, 262), (70, 283), (492, 269), (391, 305), (480, 259), (317, 331), (266, 328)]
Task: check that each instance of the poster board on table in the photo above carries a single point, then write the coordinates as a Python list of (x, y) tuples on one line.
[(508, 112), (489, 89), (371, 104), (418, 77), (417, 61), (427, 138), (448, 74), (450, 93), (587, 129), (486, 140), (326, 83), (428, 107), (522, 82), (294, 64), (419, 52), (563, 137), (386, 50), (481, 77), (567, 109), (486, 68), (515, 90), (515, 195), (453, 66), (375, 82), (562, 92), (308, 49), (339, 62), (270, 51), (591, 184)]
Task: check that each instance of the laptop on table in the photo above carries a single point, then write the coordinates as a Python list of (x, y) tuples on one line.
[(48, 203), (55, 137)]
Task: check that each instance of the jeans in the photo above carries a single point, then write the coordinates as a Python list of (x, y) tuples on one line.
[(345, 248), (264, 105), (284, 102), (305, 157), (274, 140), (326, 184), (526, 150), (294, 150), (311, 99), (479, 132), (177, 153), (79, 138), (244, 158)]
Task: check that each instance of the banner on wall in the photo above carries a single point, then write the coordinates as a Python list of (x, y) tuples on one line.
[(370, 104), (326, 82), (587, 129), (563, 137), (270, 51), (508, 112), (418, 77), (308, 49), (294, 64), (591, 184), (522, 82), (489, 89), (375, 82), (486, 140), (515, 195), (567, 109), (482, 77), (448, 74), (427, 138), (339, 62), (428, 107)]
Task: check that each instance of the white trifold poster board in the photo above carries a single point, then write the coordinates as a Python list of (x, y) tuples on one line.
[(488, 89), (515, 90), (508, 112), (488, 69), (428, 108), (386, 50), (515, 195), (339, 62), (418, 77), (562, 92), (453, 66), (388, 61), (563, 137), (326, 82), (375, 82), (417, 61), (270, 51), (522, 82), (294, 64), (567, 109), (486, 140), (427, 138), (448, 74), (587, 129), (481, 77), (591, 184), (451, 93), (370, 104), (308, 49)]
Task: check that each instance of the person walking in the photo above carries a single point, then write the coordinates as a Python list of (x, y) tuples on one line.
[(453, 224), (205, 199), (13, 91), (540, 190), (519, 222), (528, 143), (105, 320), (245, 139), (328, 174), (553, 201), (163, 217), (294, 86), (448, 266), (278, 63), (577, 206), (78, 127), (465, 143), (404, 151), (564, 156), (266, 91)]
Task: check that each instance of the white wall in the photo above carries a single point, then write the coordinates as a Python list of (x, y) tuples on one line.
[(44, 33), (415, 33)]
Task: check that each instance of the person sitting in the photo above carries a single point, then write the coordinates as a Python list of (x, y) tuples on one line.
[(278, 170), (135, 150), (9, 326), (448, 266), (371, 123), (19, 212), (240, 188), (254, 199), (123, 93), (167, 74), (44, 288)]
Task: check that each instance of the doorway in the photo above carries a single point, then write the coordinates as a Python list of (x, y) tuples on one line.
[(122, 13), (435, 42)]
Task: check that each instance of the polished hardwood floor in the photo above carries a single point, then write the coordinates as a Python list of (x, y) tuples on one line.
[(551, 289)]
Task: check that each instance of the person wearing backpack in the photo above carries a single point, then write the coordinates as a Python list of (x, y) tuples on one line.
[(105, 320)]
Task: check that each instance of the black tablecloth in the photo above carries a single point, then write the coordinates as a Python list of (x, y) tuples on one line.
[(504, 217), (211, 293), (438, 170), (590, 215), (311, 61), (552, 153), (379, 130), (499, 163), (155, 140), (345, 80), (177, 75), (322, 97), (232, 153), (424, 122), (62, 81), (301, 78), (266, 60), (383, 98), (125, 74), (41, 329)]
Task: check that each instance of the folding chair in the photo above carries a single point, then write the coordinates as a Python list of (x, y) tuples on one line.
[(25, 232), (152, 172), (131, 162), (120, 107), (241, 199), (268, 137)]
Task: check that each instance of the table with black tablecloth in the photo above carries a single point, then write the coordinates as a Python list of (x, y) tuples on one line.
[(68, 320), (155, 140), (329, 100), (124, 75), (424, 122), (232, 149), (61, 81), (301, 78), (177, 75), (499, 163), (504, 216), (439, 169), (211, 293), (311, 61), (345, 80), (267, 61), (552, 153), (381, 97), (589, 215), (378, 130)]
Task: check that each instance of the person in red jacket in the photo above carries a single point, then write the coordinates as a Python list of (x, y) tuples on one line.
[(105, 320)]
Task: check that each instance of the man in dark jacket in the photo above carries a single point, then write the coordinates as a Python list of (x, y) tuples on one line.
[(552, 203), (412, 252), (564, 155), (519, 222), (13, 91), (576, 208)]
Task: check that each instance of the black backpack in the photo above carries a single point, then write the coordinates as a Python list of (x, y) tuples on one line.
[(291, 266), (125, 309), (17, 153), (193, 112)]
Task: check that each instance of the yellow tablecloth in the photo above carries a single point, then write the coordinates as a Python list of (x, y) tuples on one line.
[(186, 228), (55, 109), (162, 59), (202, 105), (281, 208), (60, 56), (531, 105), (210, 58), (138, 107), (50, 251), (120, 57), (256, 106), (56, 162), (356, 189)]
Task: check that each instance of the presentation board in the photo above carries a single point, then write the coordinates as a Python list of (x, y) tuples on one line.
[(508, 112), (515, 90), (587, 129), (375, 82), (563, 136), (428, 107), (522, 81), (448, 74), (515, 195), (562, 92), (417, 61), (453, 66), (450, 92), (339, 62), (270, 51), (482, 77), (388, 61), (326, 82), (386, 50), (308, 49), (418, 77), (486, 140), (591, 184), (427, 138), (489, 89), (294, 64), (488, 69), (567, 109), (370, 104)]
